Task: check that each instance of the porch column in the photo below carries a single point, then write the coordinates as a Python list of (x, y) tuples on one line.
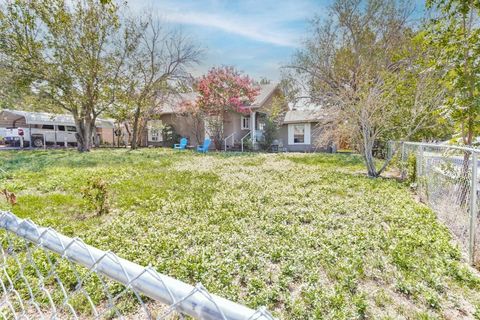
[(252, 127)]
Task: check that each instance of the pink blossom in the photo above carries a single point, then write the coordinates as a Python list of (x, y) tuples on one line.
[(225, 89)]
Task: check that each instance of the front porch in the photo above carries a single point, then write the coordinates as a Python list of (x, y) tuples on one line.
[(244, 131)]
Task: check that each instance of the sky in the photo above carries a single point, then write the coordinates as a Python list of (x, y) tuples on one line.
[(255, 36)]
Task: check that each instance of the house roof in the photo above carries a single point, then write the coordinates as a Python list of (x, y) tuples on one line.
[(266, 92), (48, 118), (173, 102), (301, 116)]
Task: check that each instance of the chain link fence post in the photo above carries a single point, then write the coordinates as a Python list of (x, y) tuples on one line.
[(389, 149), (419, 173), (473, 208), (402, 161)]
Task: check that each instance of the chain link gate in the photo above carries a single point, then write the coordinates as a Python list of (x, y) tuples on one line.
[(446, 178), (46, 275)]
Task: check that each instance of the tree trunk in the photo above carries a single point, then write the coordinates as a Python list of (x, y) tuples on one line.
[(468, 139), (215, 130), (465, 175), (84, 134), (218, 141), (464, 180), (129, 135), (136, 118), (142, 139), (368, 141), (198, 125), (370, 163)]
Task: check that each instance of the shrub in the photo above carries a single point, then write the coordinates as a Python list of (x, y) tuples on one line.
[(96, 195), (411, 167), (269, 134), (170, 136), (248, 145)]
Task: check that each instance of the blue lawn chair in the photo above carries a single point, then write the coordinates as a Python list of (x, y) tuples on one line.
[(182, 145), (205, 146)]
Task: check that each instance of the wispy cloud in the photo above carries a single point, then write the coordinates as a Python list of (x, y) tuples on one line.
[(255, 36), (254, 31), (268, 21)]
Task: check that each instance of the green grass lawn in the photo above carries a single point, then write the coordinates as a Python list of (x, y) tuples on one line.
[(307, 235)]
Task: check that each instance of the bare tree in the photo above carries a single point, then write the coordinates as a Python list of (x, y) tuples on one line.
[(353, 66), (153, 70)]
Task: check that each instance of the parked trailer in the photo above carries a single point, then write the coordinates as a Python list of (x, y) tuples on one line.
[(42, 134), (37, 129)]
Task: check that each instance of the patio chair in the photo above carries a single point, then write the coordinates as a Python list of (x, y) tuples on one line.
[(205, 146), (182, 145)]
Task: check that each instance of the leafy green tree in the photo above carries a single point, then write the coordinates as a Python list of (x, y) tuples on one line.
[(170, 136), (273, 121), (456, 34), (68, 51), (270, 133)]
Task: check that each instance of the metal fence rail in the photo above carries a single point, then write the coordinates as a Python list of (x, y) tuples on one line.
[(446, 178), (44, 274)]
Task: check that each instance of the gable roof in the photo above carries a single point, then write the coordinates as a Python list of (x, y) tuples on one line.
[(266, 91), (302, 116), (173, 102)]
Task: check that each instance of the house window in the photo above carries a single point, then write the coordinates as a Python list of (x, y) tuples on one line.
[(299, 133), (155, 128), (154, 134), (261, 126), (245, 123)]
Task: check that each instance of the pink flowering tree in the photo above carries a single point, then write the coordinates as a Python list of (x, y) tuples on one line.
[(223, 90)]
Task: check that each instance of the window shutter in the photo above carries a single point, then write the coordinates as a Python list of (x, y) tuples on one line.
[(290, 133), (307, 133)]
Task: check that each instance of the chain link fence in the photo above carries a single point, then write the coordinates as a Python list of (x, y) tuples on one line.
[(446, 178), (46, 275)]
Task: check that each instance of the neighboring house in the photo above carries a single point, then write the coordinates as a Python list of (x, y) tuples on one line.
[(171, 113), (238, 127), (300, 131)]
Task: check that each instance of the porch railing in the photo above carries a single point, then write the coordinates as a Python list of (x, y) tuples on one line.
[(232, 137), (243, 139)]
